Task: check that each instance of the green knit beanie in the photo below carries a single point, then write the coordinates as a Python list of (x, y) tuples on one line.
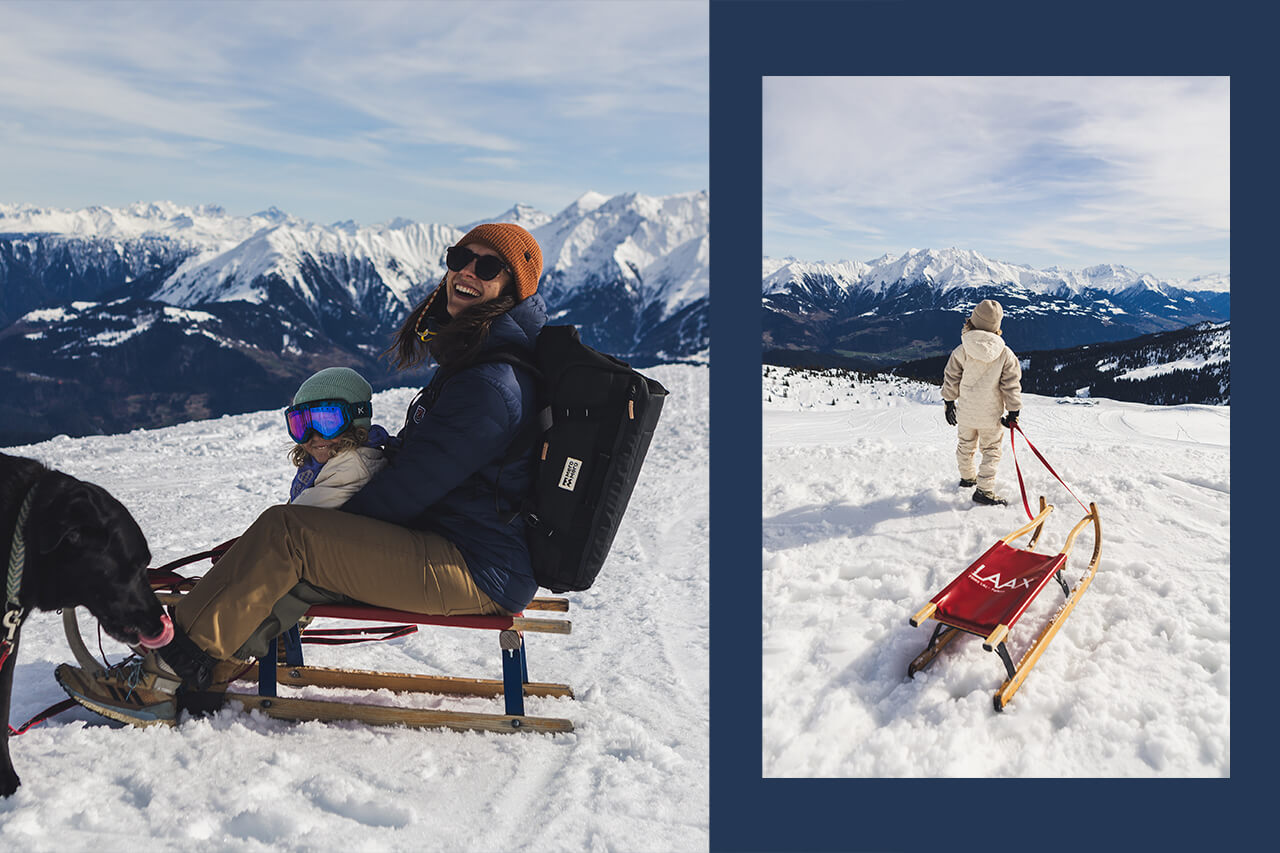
[(337, 383)]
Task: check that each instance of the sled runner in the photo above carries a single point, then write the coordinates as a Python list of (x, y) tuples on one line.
[(283, 664), (989, 597)]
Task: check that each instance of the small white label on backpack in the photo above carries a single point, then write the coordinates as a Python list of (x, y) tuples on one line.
[(569, 476)]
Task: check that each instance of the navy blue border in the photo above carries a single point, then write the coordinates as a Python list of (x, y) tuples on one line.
[(750, 40)]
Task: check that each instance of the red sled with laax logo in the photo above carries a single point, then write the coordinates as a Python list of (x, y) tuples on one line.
[(989, 597)]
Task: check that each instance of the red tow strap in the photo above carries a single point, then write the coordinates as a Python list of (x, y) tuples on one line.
[(42, 716), (1015, 427)]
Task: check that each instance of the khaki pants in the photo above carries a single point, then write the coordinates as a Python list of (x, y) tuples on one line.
[(294, 556), (989, 442)]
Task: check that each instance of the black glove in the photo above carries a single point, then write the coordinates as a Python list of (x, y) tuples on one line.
[(951, 411), (1010, 420)]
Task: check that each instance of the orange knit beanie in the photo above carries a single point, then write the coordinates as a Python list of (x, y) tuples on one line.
[(518, 249)]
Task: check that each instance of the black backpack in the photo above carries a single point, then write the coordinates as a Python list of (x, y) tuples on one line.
[(596, 419)]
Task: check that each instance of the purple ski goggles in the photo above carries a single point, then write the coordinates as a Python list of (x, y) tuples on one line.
[(327, 418)]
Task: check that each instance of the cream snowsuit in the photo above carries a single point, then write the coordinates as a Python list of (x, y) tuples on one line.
[(984, 379), (341, 477)]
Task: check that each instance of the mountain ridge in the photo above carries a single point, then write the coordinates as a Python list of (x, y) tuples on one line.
[(270, 298), (911, 306)]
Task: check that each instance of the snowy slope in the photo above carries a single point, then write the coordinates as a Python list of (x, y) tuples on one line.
[(864, 523), (633, 776)]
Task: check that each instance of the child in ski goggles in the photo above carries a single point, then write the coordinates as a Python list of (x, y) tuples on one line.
[(326, 418), (337, 448)]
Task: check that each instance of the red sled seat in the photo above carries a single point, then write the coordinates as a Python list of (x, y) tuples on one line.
[(989, 597), (995, 589)]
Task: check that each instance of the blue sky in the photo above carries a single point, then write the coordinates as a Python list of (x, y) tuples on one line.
[(440, 112), (1041, 171)]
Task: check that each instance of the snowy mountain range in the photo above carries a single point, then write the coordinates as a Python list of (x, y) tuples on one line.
[(161, 312), (898, 308)]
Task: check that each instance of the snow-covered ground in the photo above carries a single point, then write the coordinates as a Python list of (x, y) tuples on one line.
[(633, 775), (864, 523)]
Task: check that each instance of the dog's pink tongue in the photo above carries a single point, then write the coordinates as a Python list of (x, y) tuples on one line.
[(161, 639)]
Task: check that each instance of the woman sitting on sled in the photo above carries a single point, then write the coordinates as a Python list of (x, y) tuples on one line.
[(428, 533)]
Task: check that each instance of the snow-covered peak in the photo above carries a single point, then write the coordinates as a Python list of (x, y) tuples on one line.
[(586, 202), (947, 269), (198, 224), (523, 215), (844, 275), (403, 253), (627, 235)]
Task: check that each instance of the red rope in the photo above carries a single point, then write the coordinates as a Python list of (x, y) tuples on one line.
[(1013, 444), (42, 716)]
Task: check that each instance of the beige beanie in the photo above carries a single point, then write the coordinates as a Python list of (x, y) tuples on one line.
[(986, 316)]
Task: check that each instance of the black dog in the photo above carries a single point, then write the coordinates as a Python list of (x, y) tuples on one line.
[(83, 548)]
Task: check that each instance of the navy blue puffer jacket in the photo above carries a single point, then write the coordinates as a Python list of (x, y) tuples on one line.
[(448, 477)]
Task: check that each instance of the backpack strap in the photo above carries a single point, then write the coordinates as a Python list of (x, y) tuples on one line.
[(527, 438), (541, 422)]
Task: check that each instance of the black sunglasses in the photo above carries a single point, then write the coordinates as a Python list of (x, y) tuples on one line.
[(487, 266)]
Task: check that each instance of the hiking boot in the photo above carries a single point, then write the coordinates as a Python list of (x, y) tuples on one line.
[(983, 496), (965, 482), (227, 671), (140, 691)]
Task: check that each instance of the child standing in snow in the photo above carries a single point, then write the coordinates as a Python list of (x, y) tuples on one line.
[(338, 449), (982, 380)]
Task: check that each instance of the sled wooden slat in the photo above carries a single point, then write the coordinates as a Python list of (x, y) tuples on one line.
[(560, 605), (932, 651), (381, 715), (925, 613), (369, 613), (399, 682), (996, 638)]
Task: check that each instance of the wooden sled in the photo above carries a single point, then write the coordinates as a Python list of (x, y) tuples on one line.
[(271, 670), (989, 597)]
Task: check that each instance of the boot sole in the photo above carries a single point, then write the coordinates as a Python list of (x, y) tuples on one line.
[(165, 715)]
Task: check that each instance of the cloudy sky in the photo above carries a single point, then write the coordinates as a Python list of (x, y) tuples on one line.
[(435, 111), (1038, 171)]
